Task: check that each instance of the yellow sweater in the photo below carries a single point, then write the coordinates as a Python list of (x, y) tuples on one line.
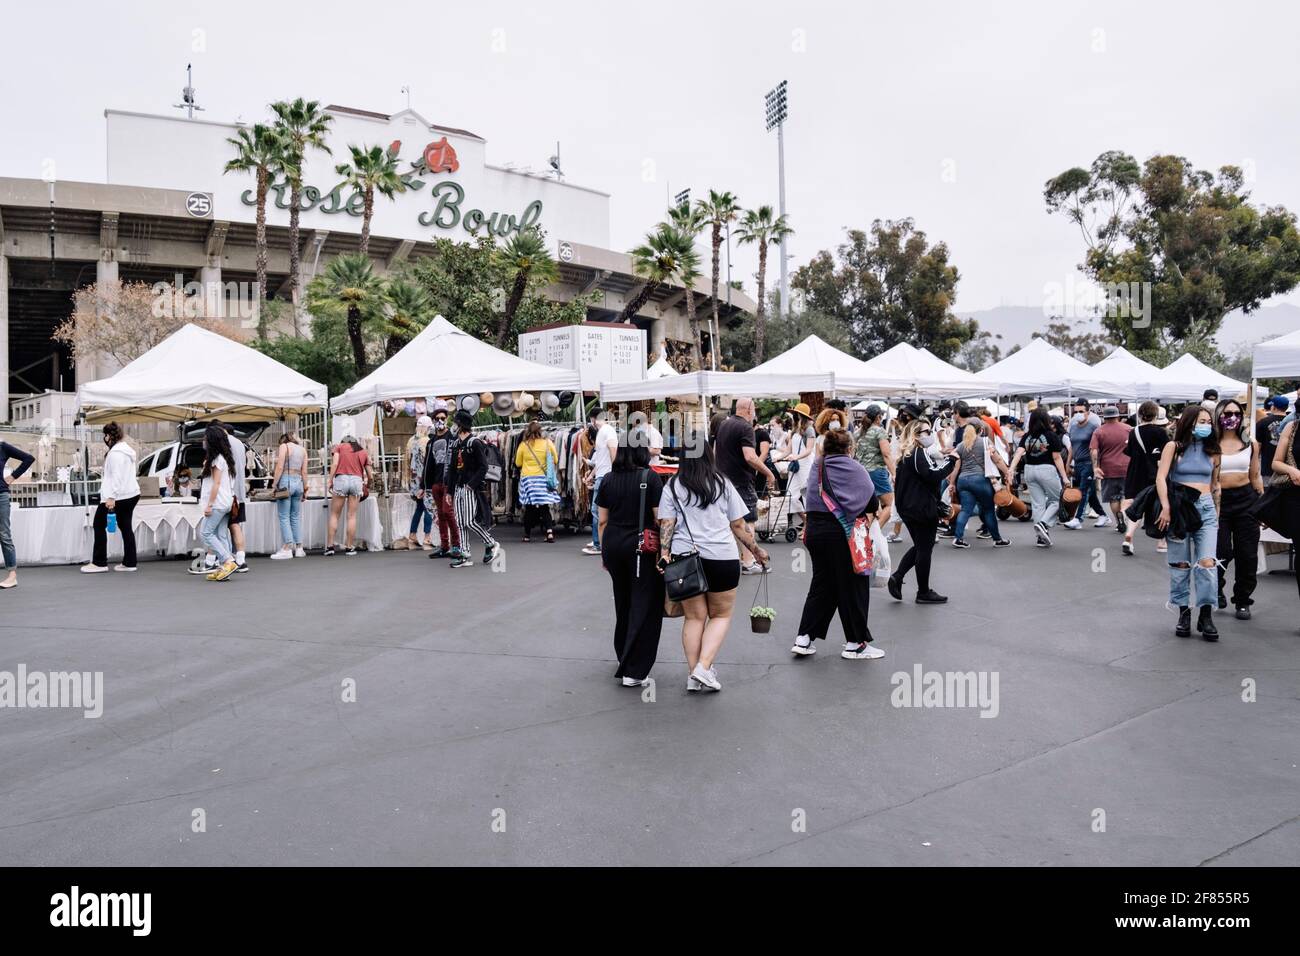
[(530, 466)]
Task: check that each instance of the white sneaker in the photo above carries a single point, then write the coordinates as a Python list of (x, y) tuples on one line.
[(633, 682), (693, 686), (122, 567), (803, 646), (282, 555), (1101, 522), (709, 678), (1074, 524), (751, 568), (93, 569), (861, 652), (299, 553), (590, 549)]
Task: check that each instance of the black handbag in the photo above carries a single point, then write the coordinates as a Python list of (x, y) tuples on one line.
[(684, 575)]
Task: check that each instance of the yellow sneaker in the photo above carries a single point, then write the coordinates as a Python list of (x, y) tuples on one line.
[(223, 572)]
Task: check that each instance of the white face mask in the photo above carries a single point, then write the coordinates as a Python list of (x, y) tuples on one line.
[(925, 441)]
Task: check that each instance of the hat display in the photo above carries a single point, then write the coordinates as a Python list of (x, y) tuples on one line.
[(1110, 411), (566, 399), (503, 404), (408, 408), (526, 400), (550, 402), (421, 406), (802, 409), (437, 405), (468, 403), (485, 398)]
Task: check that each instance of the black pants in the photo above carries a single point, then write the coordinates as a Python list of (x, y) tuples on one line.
[(834, 586), (638, 610), (123, 508), (1238, 538), (918, 555), (537, 516)]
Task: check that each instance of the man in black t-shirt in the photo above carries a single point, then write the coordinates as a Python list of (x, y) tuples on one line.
[(738, 461), (1268, 429)]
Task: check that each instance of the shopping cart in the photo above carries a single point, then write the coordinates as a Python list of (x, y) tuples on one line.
[(774, 518)]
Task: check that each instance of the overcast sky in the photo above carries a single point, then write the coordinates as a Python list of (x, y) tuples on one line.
[(952, 113)]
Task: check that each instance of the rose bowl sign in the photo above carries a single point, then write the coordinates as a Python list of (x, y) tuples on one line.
[(449, 207)]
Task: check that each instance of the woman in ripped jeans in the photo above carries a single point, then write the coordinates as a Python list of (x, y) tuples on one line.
[(1192, 460)]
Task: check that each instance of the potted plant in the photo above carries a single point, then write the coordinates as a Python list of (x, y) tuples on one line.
[(760, 619)]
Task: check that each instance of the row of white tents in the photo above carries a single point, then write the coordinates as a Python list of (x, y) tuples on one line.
[(196, 374)]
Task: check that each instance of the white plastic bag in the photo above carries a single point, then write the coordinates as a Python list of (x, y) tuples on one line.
[(882, 567)]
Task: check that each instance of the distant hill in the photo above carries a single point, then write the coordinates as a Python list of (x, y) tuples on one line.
[(1017, 324)]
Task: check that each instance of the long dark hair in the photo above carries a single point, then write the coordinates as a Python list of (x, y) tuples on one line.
[(1242, 429), (697, 474), (217, 442), (1040, 422), (631, 456), (1183, 430)]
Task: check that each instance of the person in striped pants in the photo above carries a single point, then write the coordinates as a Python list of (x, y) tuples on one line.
[(466, 476)]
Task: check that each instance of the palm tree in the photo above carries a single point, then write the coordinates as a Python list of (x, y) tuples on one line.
[(758, 225), (717, 211), (526, 254), (409, 308), (349, 288), (371, 170), (666, 256), (301, 125), (690, 222), (260, 151)]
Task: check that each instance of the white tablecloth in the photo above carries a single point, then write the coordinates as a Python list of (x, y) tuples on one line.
[(64, 536)]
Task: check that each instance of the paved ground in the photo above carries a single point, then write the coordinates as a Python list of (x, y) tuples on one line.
[(478, 692)]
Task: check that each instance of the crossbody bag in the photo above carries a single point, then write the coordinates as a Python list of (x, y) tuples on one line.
[(684, 575), (858, 532), (552, 482)]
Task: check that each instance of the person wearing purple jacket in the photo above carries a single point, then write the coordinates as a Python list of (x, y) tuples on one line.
[(835, 586)]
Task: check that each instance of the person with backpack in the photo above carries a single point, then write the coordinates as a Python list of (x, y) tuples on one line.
[(1145, 443), (437, 496), (466, 479), (536, 459), (1041, 450)]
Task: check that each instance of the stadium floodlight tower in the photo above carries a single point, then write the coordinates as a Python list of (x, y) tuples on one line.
[(777, 113)]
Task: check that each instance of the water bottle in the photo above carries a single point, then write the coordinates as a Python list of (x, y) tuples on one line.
[(112, 522)]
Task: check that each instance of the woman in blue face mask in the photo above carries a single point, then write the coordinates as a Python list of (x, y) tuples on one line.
[(1188, 480)]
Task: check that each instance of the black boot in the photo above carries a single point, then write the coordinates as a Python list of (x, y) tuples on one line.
[(1184, 628), (1205, 624)]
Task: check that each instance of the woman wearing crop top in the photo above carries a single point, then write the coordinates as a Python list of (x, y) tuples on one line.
[(1192, 460), (1241, 484)]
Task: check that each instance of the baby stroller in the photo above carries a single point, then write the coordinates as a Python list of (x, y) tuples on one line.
[(774, 519)]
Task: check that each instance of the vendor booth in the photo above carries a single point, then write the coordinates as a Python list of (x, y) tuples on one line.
[(919, 373), (193, 375), (1187, 378), (1040, 368)]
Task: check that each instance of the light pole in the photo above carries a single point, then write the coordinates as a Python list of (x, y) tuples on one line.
[(776, 117)]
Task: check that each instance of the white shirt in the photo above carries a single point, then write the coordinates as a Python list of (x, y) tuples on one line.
[(221, 475), (601, 458), (656, 441), (707, 528)]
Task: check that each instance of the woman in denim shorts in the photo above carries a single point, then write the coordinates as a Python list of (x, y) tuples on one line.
[(349, 475)]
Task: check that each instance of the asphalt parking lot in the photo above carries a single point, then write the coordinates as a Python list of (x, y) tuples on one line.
[(487, 729)]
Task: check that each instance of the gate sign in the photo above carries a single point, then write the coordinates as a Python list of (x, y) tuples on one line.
[(199, 205)]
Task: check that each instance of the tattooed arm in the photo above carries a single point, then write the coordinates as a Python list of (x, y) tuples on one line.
[(666, 526)]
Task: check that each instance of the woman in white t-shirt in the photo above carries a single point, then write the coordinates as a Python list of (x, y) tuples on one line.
[(700, 510), (215, 497)]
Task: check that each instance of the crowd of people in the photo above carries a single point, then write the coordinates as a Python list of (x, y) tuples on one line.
[(1193, 486)]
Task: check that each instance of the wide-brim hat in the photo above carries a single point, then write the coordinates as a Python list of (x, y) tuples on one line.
[(566, 399), (550, 402), (468, 403), (503, 404), (1110, 411), (803, 409)]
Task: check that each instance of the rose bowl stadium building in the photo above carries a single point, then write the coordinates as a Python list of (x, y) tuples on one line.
[(168, 211)]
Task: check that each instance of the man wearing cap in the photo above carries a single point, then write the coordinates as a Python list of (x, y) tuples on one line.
[(437, 494), (1108, 449), (1268, 429)]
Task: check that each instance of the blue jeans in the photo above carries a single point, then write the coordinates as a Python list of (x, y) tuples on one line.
[(595, 514), (1198, 546), (421, 509), (215, 531), (976, 495), (6, 534), (1085, 480), (289, 510)]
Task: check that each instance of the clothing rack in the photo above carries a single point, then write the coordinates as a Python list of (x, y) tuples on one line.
[(504, 500)]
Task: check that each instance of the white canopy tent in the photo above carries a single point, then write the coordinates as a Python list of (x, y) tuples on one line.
[(1122, 374), (1040, 368), (1187, 378), (705, 384), (445, 360), (815, 357), (196, 374), (907, 370), (1278, 358), (660, 369)]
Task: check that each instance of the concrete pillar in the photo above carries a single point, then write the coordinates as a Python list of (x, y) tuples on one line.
[(655, 338), (93, 367), (214, 295), (4, 336)]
